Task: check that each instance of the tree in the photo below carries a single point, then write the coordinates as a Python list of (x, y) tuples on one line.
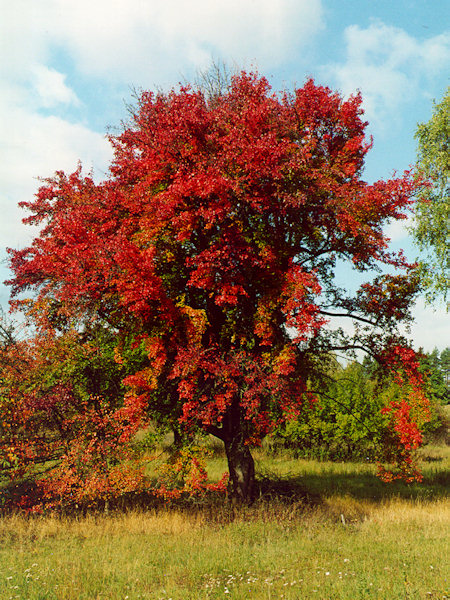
[(445, 367), (436, 368), (345, 423), (213, 244), (431, 229), (348, 421)]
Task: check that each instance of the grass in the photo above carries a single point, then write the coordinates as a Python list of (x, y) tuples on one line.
[(319, 530)]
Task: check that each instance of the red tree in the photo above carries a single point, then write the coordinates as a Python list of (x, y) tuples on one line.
[(214, 243)]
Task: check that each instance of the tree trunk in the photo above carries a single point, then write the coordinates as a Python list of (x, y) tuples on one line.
[(241, 485), (241, 466)]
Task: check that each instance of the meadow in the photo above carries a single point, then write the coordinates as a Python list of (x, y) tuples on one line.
[(318, 530)]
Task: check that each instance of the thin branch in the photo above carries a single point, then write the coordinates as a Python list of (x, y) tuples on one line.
[(353, 347), (350, 315)]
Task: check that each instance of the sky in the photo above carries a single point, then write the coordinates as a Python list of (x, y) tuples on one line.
[(68, 70)]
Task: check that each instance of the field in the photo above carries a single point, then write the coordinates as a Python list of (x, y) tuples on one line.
[(320, 530)]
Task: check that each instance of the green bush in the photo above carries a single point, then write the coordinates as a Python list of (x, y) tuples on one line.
[(346, 422)]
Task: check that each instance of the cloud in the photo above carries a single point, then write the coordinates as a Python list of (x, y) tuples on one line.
[(397, 230), (24, 38), (37, 145), (51, 87), (431, 328), (388, 66), (139, 38), (143, 43)]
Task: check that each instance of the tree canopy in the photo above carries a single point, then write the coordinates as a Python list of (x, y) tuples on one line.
[(212, 246), (431, 229)]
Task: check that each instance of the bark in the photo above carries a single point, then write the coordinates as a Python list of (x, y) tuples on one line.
[(241, 466)]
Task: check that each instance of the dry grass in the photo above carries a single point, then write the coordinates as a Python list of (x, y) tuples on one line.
[(391, 550)]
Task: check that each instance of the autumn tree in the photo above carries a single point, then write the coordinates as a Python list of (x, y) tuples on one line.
[(213, 243), (431, 229)]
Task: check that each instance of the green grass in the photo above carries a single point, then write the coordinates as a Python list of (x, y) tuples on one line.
[(392, 551), (319, 530), (325, 478)]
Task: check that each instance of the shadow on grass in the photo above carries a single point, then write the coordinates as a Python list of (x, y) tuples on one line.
[(307, 489), (312, 488)]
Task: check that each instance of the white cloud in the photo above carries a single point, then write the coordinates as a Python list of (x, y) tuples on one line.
[(397, 230), (51, 87), (431, 328), (34, 146), (24, 37), (388, 66), (143, 42), (173, 31)]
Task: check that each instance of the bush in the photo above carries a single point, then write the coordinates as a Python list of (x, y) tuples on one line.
[(347, 423)]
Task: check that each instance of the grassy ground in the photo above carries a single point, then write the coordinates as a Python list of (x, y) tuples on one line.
[(320, 530)]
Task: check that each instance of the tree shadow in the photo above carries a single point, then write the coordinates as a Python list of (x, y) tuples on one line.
[(313, 488), (304, 490)]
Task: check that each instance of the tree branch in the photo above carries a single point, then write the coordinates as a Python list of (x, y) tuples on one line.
[(215, 431), (350, 315)]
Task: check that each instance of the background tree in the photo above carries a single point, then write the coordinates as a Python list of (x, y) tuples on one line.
[(435, 366), (347, 421), (431, 228), (445, 368), (213, 245)]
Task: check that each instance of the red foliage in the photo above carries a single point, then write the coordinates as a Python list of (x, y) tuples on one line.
[(185, 474), (406, 415)]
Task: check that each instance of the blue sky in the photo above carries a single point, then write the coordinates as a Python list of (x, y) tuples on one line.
[(67, 69)]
